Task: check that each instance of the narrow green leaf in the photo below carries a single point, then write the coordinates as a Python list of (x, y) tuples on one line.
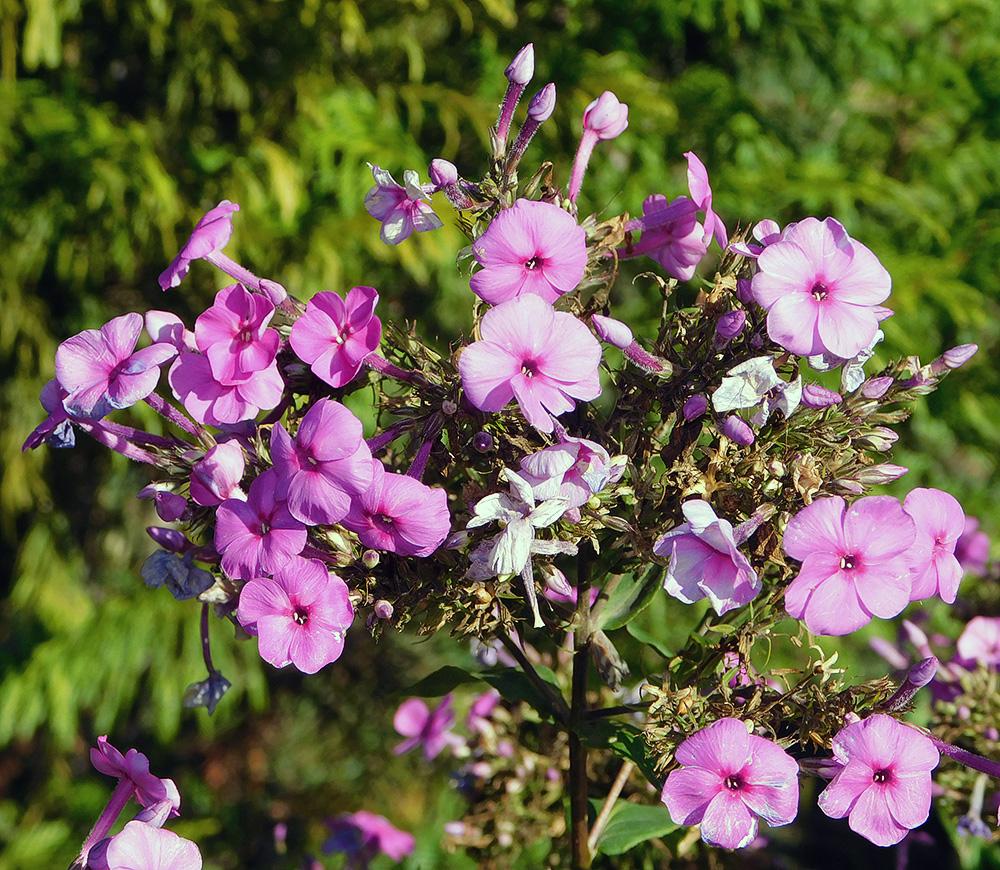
[(629, 597), (645, 637), (515, 686), (631, 824), (440, 682)]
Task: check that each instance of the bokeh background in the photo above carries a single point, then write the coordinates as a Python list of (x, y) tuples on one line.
[(122, 121)]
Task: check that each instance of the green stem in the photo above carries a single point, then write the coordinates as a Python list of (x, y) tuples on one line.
[(580, 855), (556, 701)]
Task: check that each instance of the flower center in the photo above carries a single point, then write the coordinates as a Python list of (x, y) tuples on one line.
[(301, 615), (883, 774), (529, 368), (734, 782), (245, 335), (819, 291), (385, 521), (534, 263), (848, 562)]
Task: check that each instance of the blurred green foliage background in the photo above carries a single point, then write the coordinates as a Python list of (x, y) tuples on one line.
[(122, 121)]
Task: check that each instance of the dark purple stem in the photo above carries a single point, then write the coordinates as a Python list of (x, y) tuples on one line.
[(377, 442), (169, 412), (206, 651), (384, 367), (969, 759), (420, 461), (117, 441)]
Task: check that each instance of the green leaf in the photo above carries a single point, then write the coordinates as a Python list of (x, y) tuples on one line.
[(645, 637), (631, 824), (629, 597), (441, 682), (515, 686), (624, 740)]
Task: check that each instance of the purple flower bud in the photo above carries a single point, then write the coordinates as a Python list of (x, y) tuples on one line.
[(731, 324), (169, 539), (815, 396), (695, 407), (743, 291), (448, 407), (383, 609), (851, 486), (880, 474), (922, 672), (542, 104), (482, 441), (876, 388), (612, 331), (737, 429), (606, 116), (881, 438), (370, 558), (275, 293), (522, 67), (442, 172)]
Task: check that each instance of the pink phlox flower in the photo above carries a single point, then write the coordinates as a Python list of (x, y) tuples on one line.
[(211, 402), (478, 721), (854, 562), (820, 288), (363, 836), (399, 514), (401, 209), (300, 615), (259, 535), (532, 247), (211, 234), (167, 328), (979, 642), (701, 194), (217, 477), (705, 560), (422, 726), (852, 371), (134, 767), (141, 846), (234, 334), (755, 382), (884, 787), (326, 465), (56, 429), (335, 335), (939, 521), (574, 469), (764, 232), (972, 548), (101, 370), (543, 358), (727, 780)]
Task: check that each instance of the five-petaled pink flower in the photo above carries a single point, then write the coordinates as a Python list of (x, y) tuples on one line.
[(101, 370), (546, 359), (211, 234), (727, 780), (299, 615), (940, 521), (884, 787), (335, 335), (363, 836), (141, 846), (422, 726), (854, 562), (979, 642), (399, 514), (234, 334), (532, 247), (705, 561), (821, 290), (401, 209)]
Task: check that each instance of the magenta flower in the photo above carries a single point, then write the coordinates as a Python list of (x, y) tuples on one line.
[(532, 247), (134, 767), (705, 561), (259, 535), (820, 289), (363, 836), (402, 210), (544, 358), (101, 370), (141, 846), (167, 328), (299, 615), (326, 465), (854, 562), (422, 726), (979, 642), (399, 514), (233, 334), (335, 335), (210, 401), (211, 234), (884, 787), (217, 477), (727, 780), (56, 429), (939, 521)]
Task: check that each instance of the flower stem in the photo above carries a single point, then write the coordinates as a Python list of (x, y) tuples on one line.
[(580, 854), (117, 441), (123, 791), (556, 701), (969, 759), (169, 412), (609, 802)]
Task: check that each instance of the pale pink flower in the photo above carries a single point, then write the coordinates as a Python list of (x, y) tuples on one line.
[(167, 328), (972, 548), (884, 787), (101, 371), (705, 561), (854, 562), (399, 514), (604, 118), (300, 615), (401, 210), (979, 642), (544, 358), (574, 469), (233, 333), (939, 521), (363, 836), (820, 289), (141, 846), (532, 247), (422, 726), (212, 233), (335, 335), (727, 780)]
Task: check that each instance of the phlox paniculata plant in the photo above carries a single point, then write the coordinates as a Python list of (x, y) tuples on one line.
[(534, 485)]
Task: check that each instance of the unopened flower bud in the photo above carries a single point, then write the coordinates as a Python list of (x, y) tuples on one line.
[(383, 609), (448, 407), (959, 356), (275, 293), (815, 396), (542, 104), (605, 116), (738, 430), (880, 438), (612, 331), (518, 74), (522, 67), (731, 324), (851, 486), (743, 291), (695, 407), (876, 388), (169, 539), (482, 441), (370, 558), (880, 474), (442, 173)]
